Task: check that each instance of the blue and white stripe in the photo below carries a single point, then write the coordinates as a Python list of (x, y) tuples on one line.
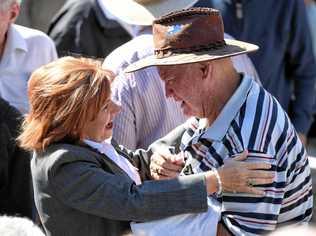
[(255, 121)]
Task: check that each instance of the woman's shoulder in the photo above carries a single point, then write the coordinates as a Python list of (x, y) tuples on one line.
[(62, 153), (65, 149)]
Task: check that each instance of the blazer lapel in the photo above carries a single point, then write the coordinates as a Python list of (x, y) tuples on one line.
[(106, 162)]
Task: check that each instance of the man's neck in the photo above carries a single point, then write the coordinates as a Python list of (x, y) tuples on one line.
[(230, 84)]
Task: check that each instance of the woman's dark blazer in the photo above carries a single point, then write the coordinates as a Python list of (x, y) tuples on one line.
[(79, 191)]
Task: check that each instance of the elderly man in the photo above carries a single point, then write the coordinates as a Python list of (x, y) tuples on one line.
[(22, 50), (233, 113), (146, 115)]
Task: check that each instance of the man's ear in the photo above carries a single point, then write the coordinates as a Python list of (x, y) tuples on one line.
[(206, 68), (14, 12)]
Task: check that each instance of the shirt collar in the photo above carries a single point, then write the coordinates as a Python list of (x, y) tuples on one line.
[(15, 40), (220, 126), (93, 144), (97, 145), (107, 149)]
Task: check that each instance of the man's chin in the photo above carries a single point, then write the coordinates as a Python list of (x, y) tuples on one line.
[(190, 113), (187, 112)]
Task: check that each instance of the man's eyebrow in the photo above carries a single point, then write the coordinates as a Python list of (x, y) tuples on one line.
[(168, 78)]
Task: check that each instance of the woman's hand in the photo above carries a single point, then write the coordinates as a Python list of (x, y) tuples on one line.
[(240, 177), (165, 165)]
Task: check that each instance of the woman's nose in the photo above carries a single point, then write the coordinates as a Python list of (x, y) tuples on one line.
[(115, 108)]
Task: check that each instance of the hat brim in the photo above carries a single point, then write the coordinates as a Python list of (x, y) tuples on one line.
[(134, 13), (232, 48)]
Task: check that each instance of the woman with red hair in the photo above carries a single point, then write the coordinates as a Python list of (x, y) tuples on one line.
[(86, 185)]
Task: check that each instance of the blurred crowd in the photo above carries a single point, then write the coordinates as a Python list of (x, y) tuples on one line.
[(34, 33)]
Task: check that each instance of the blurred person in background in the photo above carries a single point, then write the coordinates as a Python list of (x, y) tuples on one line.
[(146, 115), (285, 63), (84, 27), (37, 14), (22, 50), (16, 195), (18, 226), (311, 16)]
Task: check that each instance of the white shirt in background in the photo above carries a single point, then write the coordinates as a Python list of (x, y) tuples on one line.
[(25, 50)]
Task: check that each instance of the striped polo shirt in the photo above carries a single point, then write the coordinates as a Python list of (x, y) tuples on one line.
[(252, 119)]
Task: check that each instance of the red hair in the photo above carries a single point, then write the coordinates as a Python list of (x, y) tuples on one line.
[(63, 95)]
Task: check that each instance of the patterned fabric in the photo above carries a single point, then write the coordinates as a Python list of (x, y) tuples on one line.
[(146, 114), (254, 120)]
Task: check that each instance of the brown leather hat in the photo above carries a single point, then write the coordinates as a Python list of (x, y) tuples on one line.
[(189, 36)]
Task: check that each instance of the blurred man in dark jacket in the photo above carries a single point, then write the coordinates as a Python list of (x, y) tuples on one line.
[(16, 195), (82, 27)]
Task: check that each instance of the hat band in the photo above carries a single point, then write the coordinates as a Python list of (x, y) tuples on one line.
[(163, 53)]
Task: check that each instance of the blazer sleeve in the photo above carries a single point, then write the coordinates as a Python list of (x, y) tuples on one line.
[(171, 140), (141, 158), (80, 183)]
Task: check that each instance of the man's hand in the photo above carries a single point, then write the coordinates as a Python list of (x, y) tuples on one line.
[(166, 165), (238, 176)]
